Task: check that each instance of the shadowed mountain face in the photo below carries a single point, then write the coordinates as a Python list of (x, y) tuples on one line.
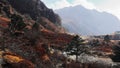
[(83, 21), (35, 8)]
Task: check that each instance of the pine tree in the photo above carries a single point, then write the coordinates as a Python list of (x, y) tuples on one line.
[(107, 39), (116, 51), (76, 47)]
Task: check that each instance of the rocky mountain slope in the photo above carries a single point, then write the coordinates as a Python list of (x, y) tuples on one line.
[(29, 31), (80, 20), (34, 8)]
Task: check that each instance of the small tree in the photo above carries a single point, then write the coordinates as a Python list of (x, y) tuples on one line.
[(107, 39), (17, 23), (76, 47)]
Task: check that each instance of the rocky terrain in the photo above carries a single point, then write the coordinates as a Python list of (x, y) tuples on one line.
[(28, 32)]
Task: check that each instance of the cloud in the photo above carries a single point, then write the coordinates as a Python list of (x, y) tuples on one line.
[(84, 3), (58, 4), (111, 6)]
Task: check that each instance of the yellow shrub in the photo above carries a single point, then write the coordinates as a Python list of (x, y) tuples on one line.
[(12, 59)]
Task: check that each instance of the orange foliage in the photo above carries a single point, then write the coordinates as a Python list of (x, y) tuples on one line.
[(15, 61), (4, 22), (42, 52), (12, 59), (5, 19)]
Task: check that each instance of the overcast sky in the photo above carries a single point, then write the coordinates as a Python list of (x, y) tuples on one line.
[(111, 6)]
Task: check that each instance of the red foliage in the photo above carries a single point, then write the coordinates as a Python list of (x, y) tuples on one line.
[(57, 38), (41, 51), (104, 49)]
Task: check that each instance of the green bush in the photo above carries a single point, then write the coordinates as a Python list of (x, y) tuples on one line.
[(17, 23), (76, 47)]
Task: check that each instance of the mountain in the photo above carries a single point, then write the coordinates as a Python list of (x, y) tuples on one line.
[(83, 21)]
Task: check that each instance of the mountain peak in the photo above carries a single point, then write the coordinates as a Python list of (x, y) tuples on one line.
[(80, 20)]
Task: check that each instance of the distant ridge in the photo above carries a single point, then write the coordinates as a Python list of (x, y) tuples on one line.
[(84, 21)]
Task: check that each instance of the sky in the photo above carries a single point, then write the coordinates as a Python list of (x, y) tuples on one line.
[(111, 6)]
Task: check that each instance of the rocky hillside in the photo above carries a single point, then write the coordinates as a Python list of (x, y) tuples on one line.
[(32, 10), (29, 35)]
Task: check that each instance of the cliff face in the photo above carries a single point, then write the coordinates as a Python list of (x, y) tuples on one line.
[(35, 8)]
